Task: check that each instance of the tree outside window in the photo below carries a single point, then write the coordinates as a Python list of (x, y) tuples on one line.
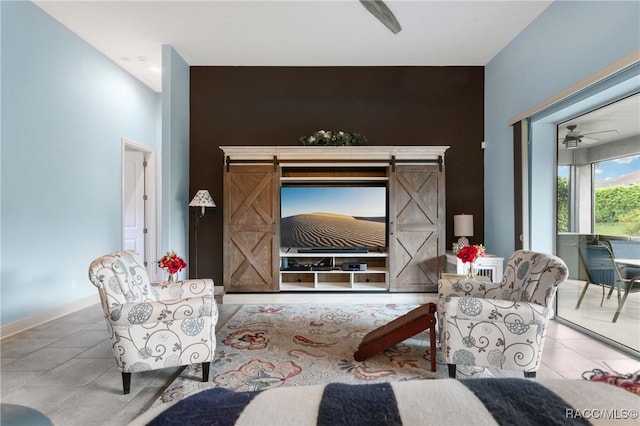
[(563, 199), (617, 196)]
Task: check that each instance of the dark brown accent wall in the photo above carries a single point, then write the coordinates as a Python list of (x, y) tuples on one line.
[(517, 185), (413, 106)]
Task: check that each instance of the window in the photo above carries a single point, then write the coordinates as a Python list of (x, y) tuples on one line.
[(617, 196), (612, 198), (563, 198)]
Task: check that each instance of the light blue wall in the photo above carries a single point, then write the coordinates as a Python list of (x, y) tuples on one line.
[(549, 56), (65, 108), (543, 147), (175, 148)]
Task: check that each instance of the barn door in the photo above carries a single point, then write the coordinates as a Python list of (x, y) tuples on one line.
[(251, 220), (416, 227)]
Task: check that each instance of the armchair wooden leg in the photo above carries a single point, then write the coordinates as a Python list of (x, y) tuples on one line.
[(205, 371), (530, 374), (126, 382), (452, 370)]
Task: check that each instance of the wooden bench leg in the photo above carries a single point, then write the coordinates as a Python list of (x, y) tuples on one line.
[(402, 328), (432, 346)]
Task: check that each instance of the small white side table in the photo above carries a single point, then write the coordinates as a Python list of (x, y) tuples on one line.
[(488, 266)]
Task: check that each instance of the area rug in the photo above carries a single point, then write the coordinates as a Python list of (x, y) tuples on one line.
[(268, 346)]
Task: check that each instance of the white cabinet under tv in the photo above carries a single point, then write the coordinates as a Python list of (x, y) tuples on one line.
[(411, 257), (333, 271)]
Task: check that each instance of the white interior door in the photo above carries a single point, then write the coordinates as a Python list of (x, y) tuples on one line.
[(134, 224)]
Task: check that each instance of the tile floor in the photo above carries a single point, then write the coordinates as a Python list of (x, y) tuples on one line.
[(593, 316), (65, 369)]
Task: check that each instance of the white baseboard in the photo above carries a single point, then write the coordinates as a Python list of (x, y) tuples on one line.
[(321, 297), (12, 328)]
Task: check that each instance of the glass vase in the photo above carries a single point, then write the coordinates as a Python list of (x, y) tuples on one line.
[(471, 269)]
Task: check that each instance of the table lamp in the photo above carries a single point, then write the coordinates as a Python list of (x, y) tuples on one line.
[(463, 228)]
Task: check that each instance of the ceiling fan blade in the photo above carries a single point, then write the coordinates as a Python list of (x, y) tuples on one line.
[(603, 131), (380, 10), (588, 140)]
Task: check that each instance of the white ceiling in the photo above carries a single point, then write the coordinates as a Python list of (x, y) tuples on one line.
[(294, 32)]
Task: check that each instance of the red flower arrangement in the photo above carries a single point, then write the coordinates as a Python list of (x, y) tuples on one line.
[(469, 254), (172, 262)]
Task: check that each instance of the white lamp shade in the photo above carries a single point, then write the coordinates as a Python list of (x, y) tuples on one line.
[(202, 199), (463, 225)]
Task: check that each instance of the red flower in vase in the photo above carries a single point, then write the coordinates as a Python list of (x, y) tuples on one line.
[(469, 254), (172, 262)]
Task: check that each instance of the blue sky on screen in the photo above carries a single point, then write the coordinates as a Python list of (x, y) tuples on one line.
[(352, 201), (611, 168)]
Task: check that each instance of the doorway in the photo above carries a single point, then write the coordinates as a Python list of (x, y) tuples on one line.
[(598, 206), (138, 205), (560, 180)]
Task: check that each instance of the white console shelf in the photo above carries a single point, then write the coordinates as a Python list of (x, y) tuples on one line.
[(489, 266), (302, 271)]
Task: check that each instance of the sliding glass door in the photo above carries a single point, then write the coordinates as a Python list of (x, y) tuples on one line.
[(597, 213)]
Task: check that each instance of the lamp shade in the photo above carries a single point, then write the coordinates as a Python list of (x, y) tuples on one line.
[(202, 199), (463, 225)]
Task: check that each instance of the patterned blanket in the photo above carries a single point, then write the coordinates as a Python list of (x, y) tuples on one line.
[(417, 402), (630, 382)]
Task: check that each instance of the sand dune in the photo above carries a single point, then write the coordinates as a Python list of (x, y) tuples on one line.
[(328, 229)]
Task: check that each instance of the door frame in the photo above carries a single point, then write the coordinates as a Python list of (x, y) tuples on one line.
[(151, 219)]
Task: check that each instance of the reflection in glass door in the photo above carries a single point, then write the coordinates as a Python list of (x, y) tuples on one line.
[(598, 221)]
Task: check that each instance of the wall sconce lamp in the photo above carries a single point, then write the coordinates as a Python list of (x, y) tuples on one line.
[(203, 200), (463, 228)]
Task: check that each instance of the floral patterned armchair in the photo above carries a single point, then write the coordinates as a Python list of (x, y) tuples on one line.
[(500, 325), (154, 326)]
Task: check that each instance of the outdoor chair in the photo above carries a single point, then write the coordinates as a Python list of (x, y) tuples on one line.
[(602, 270), (626, 249)]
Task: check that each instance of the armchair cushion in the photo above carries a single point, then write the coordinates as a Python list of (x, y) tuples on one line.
[(494, 333), (464, 287), (121, 277), (163, 310), (142, 347), (182, 289), (531, 277), (519, 314)]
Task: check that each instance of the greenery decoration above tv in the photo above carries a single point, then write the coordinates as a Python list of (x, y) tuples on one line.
[(329, 138)]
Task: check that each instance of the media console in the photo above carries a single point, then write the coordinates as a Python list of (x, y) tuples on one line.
[(253, 258), (302, 270)]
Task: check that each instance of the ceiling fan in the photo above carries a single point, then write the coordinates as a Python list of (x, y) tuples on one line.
[(573, 137), (380, 10)]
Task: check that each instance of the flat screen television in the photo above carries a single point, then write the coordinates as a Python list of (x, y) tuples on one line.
[(333, 216)]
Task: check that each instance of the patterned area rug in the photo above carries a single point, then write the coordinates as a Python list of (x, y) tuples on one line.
[(267, 346)]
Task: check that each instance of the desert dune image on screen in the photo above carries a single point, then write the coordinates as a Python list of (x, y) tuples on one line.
[(333, 216)]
